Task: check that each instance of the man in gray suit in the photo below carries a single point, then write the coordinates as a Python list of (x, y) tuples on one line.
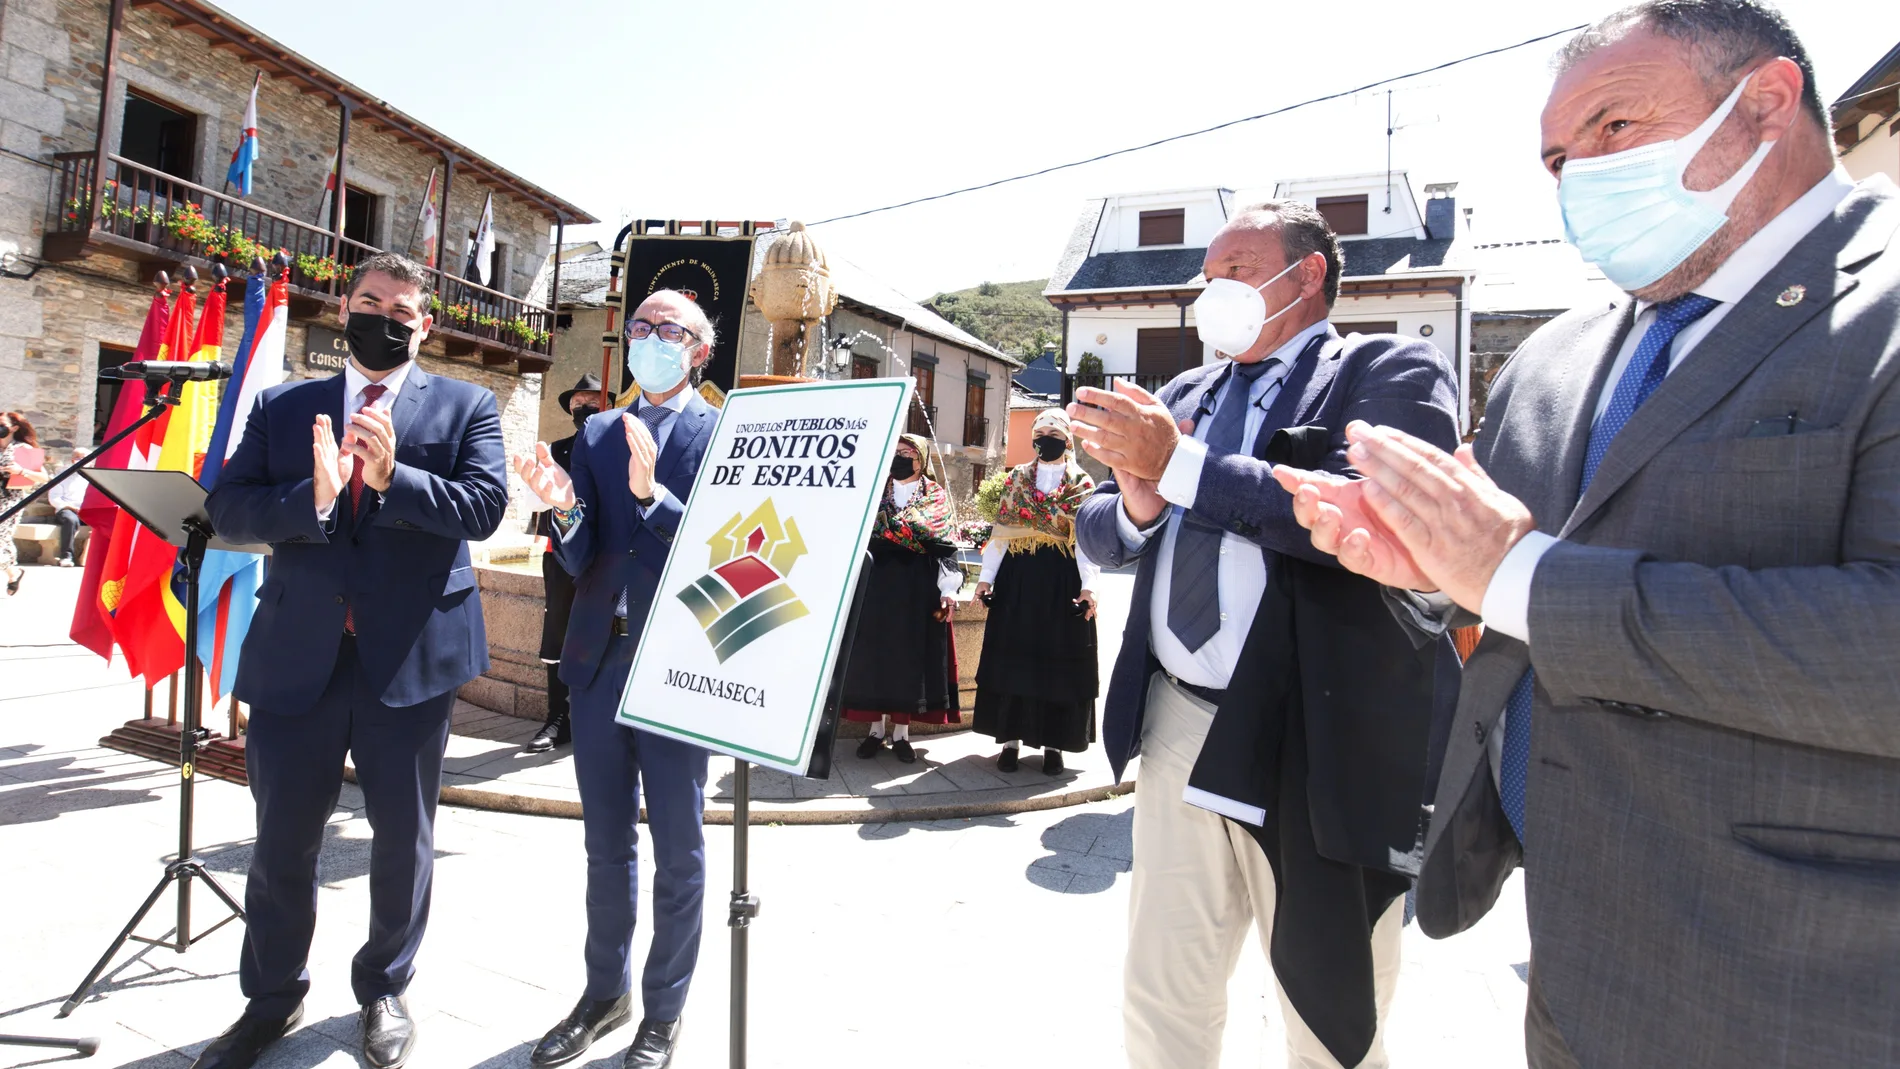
[(1680, 525)]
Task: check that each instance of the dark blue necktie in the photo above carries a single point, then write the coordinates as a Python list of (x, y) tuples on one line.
[(653, 416), (1647, 368), (1194, 584)]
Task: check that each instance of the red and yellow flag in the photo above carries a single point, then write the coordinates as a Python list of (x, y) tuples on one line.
[(92, 622), (149, 619)]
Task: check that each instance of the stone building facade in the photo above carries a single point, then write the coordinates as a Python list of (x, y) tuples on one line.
[(70, 304)]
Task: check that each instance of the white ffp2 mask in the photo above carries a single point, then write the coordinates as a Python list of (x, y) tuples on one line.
[(1230, 315)]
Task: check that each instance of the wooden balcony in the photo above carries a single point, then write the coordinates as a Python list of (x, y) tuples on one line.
[(163, 223)]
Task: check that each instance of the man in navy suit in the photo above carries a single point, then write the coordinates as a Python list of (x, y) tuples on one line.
[(368, 486), (615, 513), (1310, 847)]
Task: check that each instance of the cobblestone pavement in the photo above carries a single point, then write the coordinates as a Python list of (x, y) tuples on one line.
[(992, 941)]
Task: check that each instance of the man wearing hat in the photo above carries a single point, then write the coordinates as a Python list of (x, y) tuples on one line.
[(557, 586)]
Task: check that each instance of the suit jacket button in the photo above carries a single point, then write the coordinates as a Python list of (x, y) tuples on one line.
[(339, 599), (633, 553), (1477, 729)]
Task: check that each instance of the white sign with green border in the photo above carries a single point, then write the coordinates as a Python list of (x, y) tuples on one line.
[(745, 633)]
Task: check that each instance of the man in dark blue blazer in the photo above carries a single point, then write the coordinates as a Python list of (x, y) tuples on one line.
[(368, 486), (1223, 834), (616, 510)]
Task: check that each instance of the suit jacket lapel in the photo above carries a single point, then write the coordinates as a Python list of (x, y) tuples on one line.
[(409, 402), (1305, 383), (687, 425), (1573, 406), (1750, 332)]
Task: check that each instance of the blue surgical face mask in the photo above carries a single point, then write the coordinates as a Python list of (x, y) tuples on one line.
[(656, 365), (1629, 213)]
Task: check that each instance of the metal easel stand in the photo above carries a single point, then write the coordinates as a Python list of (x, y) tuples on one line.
[(744, 905), (187, 866)]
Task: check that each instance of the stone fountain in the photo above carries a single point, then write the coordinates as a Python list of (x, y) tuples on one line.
[(794, 292)]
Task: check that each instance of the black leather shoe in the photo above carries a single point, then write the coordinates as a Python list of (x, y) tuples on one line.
[(591, 1019), (240, 1044), (1052, 762), (556, 732), (1006, 761), (902, 751), (389, 1034), (652, 1045), (869, 747)]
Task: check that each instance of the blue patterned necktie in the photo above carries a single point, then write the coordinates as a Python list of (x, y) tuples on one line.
[(1647, 368), (653, 416), (1194, 584)]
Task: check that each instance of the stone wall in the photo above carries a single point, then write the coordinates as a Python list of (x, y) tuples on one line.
[(1494, 337), (51, 55)]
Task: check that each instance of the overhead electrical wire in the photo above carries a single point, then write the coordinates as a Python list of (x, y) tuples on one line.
[(1207, 130)]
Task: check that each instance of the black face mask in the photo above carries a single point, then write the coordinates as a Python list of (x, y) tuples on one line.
[(379, 343), (1051, 449), (582, 413), (902, 468)]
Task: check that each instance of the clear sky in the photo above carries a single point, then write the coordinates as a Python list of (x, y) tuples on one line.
[(767, 109)]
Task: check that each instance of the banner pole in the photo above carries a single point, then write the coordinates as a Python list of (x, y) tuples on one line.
[(745, 905)]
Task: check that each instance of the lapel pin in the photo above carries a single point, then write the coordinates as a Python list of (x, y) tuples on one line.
[(1792, 295)]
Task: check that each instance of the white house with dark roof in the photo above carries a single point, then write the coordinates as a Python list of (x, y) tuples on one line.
[(1128, 278)]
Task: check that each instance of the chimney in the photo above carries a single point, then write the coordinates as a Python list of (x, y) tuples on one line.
[(1441, 211)]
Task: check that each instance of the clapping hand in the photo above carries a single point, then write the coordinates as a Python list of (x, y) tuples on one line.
[(333, 466), (371, 438), (1421, 518), (1126, 428), (546, 479), (642, 454)]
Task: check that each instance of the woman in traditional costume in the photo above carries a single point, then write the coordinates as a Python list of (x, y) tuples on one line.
[(903, 666), (1036, 683)]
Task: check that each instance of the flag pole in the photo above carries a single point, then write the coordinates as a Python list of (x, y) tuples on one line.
[(428, 197)]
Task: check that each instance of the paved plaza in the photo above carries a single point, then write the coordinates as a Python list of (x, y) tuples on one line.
[(988, 940)]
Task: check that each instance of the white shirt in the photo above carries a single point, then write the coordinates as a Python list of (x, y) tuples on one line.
[(354, 383), (68, 494), (1242, 575), (948, 582), (1048, 480), (1507, 601)]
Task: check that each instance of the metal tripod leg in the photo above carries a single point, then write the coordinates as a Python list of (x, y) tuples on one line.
[(79, 993)]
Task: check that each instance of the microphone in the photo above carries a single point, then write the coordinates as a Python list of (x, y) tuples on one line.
[(172, 371)]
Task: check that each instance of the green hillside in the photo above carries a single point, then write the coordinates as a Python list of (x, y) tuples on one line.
[(1009, 315)]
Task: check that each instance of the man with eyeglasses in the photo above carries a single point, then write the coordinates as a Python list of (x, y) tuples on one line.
[(616, 509)]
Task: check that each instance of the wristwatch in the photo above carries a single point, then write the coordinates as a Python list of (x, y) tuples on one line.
[(645, 502)]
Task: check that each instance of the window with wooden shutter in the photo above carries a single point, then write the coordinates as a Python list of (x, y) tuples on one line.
[(976, 424), (863, 367), (1166, 351), (1346, 215), (923, 407), (1166, 227)]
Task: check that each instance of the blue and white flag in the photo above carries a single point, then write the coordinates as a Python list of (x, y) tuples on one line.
[(245, 157)]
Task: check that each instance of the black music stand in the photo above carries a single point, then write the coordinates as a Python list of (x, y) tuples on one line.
[(171, 505)]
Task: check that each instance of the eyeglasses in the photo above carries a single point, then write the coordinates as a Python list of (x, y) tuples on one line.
[(671, 333)]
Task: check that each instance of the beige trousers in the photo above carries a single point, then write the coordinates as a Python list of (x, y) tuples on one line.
[(1198, 879)]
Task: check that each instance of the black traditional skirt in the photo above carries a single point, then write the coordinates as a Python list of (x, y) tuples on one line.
[(903, 661), (1037, 679)]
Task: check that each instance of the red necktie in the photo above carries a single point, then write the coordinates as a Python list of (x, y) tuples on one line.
[(370, 394)]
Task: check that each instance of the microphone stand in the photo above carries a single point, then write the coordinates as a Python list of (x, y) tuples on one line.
[(157, 403)]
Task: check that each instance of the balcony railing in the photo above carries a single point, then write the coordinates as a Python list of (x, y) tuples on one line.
[(976, 430), (153, 217), (1151, 383), (923, 419)]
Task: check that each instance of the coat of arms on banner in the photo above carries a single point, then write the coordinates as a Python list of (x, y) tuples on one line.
[(745, 595)]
